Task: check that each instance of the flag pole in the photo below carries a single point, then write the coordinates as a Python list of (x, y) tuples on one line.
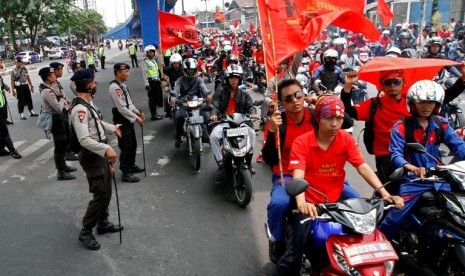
[(163, 92), (277, 134)]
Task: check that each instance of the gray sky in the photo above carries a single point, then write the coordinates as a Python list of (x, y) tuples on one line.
[(113, 11)]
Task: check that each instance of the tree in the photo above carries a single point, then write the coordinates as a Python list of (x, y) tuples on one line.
[(83, 24), (9, 11)]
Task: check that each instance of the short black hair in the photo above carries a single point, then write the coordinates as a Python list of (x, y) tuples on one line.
[(285, 83)]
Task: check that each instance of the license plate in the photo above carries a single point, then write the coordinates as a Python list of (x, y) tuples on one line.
[(369, 253), (233, 132)]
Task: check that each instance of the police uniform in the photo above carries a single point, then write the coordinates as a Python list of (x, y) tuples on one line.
[(4, 104), (5, 139), (20, 81), (151, 74), (101, 54), (125, 113), (132, 54), (90, 61), (91, 133), (54, 103)]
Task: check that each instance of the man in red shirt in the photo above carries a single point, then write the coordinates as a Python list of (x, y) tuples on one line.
[(319, 156), (259, 55)]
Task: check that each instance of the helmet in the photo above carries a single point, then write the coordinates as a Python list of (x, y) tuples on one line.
[(149, 48), (393, 50), (189, 63), (364, 56), (227, 48), (340, 41), (301, 70), (330, 53), (233, 58), (351, 43), (425, 90), (234, 70), (409, 53), (435, 40), (404, 35), (226, 42), (207, 43), (175, 58), (386, 32)]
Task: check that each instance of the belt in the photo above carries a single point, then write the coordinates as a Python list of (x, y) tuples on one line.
[(153, 79), (23, 83)]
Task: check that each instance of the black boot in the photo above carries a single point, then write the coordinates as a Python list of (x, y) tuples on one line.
[(129, 177), (71, 156), (105, 226), (86, 237), (64, 175)]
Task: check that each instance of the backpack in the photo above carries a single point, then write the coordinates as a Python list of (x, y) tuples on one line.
[(73, 140), (368, 131)]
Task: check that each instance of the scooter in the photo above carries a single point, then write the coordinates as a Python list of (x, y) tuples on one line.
[(345, 240), (433, 235), (452, 110), (210, 65), (237, 155)]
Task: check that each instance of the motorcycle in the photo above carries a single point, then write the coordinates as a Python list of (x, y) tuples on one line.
[(452, 110), (194, 128), (346, 232), (120, 46), (433, 235), (210, 66), (237, 155)]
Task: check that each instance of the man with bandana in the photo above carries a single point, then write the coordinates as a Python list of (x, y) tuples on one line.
[(126, 114), (96, 157), (319, 157)]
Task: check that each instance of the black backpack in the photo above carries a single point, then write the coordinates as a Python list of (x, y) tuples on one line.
[(73, 141), (368, 131)]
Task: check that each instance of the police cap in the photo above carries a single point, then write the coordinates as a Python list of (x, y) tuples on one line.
[(45, 72), (83, 75), (121, 66), (56, 65), (18, 59)]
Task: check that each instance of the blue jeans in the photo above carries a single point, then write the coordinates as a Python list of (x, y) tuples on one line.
[(279, 204)]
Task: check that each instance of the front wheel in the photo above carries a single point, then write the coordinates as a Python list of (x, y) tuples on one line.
[(242, 182), (195, 157)]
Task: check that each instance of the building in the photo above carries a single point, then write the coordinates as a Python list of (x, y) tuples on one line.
[(244, 11), (419, 11)]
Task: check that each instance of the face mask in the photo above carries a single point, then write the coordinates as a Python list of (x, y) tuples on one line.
[(329, 63), (93, 90)]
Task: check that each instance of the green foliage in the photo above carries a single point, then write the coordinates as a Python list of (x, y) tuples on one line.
[(82, 23)]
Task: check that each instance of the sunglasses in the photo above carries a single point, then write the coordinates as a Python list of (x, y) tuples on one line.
[(290, 98), (390, 82)]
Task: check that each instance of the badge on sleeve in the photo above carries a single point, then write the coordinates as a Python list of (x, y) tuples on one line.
[(118, 92), (81, 115)]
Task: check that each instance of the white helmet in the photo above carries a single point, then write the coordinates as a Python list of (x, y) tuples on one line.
[(149, 48), (227, 48), (301, 70), (393, 52), (226, 42), (303, 80), (175, 58), (425, 90), (189, 63), (330, 53), (386, 32), (340, 41), (234, 70), (207, 43)]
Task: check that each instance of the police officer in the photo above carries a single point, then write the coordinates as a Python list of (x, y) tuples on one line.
[(20, 82), (151, 72), (125, 113), (95, 157), (132, 54), (58, 88), (4, 87), (53, 102), (90, 60), (101, 55), (5, 139)]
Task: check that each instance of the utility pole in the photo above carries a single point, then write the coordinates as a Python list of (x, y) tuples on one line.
[(183, 11)]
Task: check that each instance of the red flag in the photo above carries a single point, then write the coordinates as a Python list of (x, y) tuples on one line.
[(251, 28), (385, 12), (235, 24), (235, 51), (219, 16), (191, 18), (297, 23), (175, 30)]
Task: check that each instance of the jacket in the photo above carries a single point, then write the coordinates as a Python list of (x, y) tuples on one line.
[(221, 98)]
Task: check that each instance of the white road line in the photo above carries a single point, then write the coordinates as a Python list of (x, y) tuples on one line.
[(41, 160), (26, 152), (18, 143)]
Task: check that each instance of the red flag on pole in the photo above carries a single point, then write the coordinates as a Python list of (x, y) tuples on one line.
[(297, 23), (235, 50), (235, 24), (251, 28), (384, 12), (175, 30), (219, 16)]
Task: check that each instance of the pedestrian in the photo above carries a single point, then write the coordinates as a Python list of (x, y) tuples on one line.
[(151, 73), (139, 42), (133, 55), (54, 103), (95, 157), (90, 59), (125, 113), (5, 139), (101, 55), (58, 88), (21, 86), (4, 87), (81, 56)]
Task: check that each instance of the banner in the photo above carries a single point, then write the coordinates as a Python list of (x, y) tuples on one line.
[(175, 30), (251, 28), (219, 16), (384, 12)]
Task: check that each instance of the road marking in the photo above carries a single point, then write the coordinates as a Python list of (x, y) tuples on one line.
[(18, 143), (41, 160), (26, 152)]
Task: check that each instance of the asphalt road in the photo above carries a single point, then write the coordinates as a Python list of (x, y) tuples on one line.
[(176, 222)]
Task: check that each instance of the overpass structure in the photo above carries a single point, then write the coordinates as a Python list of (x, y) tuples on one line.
[(143, 21)]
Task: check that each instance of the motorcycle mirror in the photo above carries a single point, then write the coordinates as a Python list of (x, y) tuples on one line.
[(297, 186), (416, 147)]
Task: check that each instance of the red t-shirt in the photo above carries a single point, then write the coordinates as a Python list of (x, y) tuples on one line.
[(293, 131), (232, 107), (259, 56), (324, 170), (391, 111)]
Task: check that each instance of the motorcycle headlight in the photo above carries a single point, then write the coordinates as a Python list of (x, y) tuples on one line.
[(362, 223), (192, 104)]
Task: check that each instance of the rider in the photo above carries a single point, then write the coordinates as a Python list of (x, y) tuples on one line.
[(349, 59), (329, 73), (185, 86), (404, 41), (434, 47), (230, 99), (384, 42), (319, 156), (393, 52), (425, 98)]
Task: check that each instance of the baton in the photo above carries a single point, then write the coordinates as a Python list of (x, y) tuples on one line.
[(143, 149), (117, 202), (9, 111)]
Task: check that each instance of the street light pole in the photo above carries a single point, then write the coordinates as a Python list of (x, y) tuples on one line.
[(206, 19)]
